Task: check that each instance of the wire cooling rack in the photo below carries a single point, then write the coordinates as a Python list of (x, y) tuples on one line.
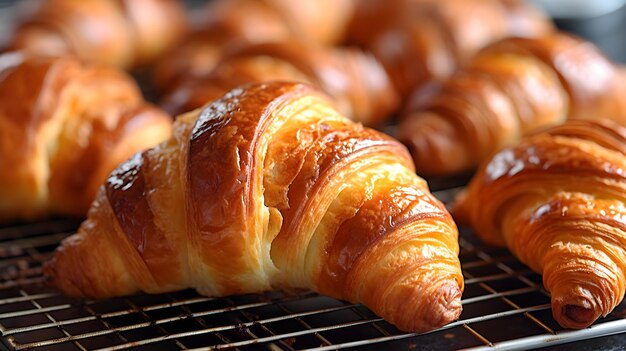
[(504, 307)]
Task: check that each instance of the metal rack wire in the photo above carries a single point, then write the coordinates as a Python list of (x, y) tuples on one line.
[(505, 307)]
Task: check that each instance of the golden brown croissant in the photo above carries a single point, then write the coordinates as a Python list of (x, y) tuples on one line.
[(357, 82), (556, 200), (121, 33), (63, 127), (513, 86), (421, 40), (269, 187), (228, 23)]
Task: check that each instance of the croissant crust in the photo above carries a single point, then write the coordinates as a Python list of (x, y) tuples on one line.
[(556, 201), (268, 187)]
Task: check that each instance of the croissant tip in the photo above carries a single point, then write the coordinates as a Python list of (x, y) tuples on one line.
[(56, 276), (577, 317), (51, 276), (48, 271), (449, 302), (452, 297), (574, 313)]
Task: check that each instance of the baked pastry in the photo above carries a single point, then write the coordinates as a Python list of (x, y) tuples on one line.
[(269, 187), (224, 24), (357, 82), (121, 33), (511, 87), (421, 40), (63, 127), (416, 40), (556, 200)]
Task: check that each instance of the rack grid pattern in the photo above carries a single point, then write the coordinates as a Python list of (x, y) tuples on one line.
[(505, 307)]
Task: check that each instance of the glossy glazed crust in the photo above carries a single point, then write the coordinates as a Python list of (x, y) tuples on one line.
[(556, 200), (269, 187), (63, 127), (508, 89), (120, 33), (358, 84)]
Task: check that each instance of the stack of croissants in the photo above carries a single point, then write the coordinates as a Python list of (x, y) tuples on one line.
[(276, 173)]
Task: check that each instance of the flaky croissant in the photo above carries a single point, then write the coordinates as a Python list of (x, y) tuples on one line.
[(269, 187), (357, 82), (421, 40), (511, 87), (121, 33), (63, 127), (228, 23), (556, 200)]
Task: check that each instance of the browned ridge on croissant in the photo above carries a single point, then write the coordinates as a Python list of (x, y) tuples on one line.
[(508, 89), (556, 200), (64, 126), (269, 187)]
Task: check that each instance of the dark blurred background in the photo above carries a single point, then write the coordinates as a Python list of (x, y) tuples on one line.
[(601, 21)]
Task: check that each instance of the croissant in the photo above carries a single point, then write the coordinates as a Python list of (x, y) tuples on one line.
[(63, 127), (511, 87), (423, 40), (269, 187), (121, 33), (228, 23), (556, 200), (356, 80)]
